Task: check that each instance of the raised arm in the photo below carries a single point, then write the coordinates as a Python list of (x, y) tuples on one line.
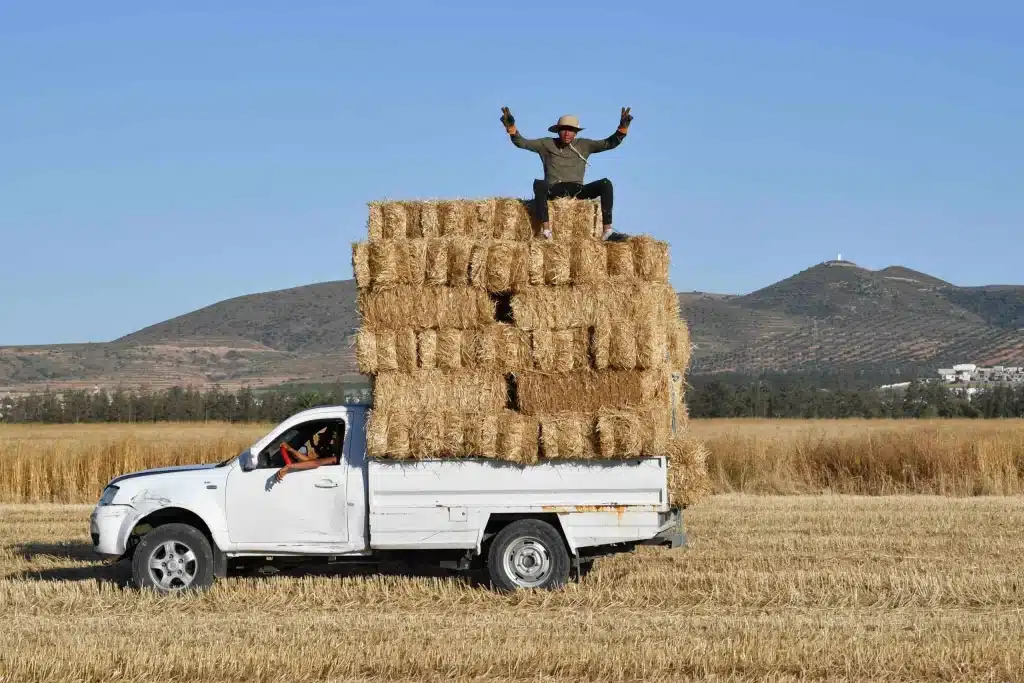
[(613, 140), (518, 140)]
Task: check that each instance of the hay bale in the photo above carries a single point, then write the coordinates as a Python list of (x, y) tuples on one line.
[(568, 436), (583, 305), (600, 342), (573, 219), (510, 436), (471, 349), (622, 352), (426, 435), (652, 348), (436, 390), (375, 222), (427, 352), (416, 260), (405, 349), (399, 446), (478, 265), (507, 268), (361, 264), (679, 346), (580, 347), (482, 217), (656, 430), (377, 434), (485, 350), (389, 263), (549, 308), (557, 263), (387, 351), (396, 226), (366, 352), (543, 350), (512, 348), (482, 435), (588, 262), (512, 221), (650, 257), (460, 252), (449, 349), (430, 222), (688, 478), (543, 393), (620, 261), (454, 436), (437, 263), (536, 266), (619, 434), (453, 218), (405, 306), (562, 341)]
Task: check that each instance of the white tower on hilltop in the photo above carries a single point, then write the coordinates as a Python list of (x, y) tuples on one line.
[(839, 257)]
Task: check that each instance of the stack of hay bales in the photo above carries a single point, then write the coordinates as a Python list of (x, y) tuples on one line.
[(485, 342)]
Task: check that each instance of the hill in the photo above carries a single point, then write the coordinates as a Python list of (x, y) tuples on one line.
[(832, 316)]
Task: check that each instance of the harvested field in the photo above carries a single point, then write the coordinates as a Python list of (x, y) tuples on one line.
[(772, 588), (72, 463)]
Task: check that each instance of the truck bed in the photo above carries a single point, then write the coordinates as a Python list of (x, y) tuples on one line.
[(446, 503)]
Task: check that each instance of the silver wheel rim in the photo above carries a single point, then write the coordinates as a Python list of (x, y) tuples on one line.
[(527, 562), (173, 566)]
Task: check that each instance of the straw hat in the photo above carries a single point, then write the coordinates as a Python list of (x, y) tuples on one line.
[(566, 121)]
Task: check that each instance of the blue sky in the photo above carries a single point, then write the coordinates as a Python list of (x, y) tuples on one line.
[(159, 157)]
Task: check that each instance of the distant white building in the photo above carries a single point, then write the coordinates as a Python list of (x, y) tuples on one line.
[(966, 373)]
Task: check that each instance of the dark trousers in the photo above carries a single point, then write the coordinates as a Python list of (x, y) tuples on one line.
[(543, 191)]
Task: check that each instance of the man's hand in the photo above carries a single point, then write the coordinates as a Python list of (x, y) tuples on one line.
[(625, 119), (281, 472), (508, 120)]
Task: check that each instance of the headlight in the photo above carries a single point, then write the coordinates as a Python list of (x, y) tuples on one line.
[(108, 495)]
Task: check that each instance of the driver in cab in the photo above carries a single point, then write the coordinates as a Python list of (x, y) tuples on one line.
[(311, 456)]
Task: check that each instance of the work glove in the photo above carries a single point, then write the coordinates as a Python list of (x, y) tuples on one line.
[(625, 119), (508, 120)]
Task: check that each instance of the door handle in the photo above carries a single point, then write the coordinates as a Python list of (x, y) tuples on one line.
[(326, 484)]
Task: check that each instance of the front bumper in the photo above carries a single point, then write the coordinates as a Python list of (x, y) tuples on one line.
[(109, 526), (670, 533)]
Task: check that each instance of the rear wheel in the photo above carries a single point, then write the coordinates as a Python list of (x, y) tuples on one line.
[(173, 558), (528, 553)]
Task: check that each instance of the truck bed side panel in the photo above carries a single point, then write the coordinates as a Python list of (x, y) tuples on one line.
[(446, 504)]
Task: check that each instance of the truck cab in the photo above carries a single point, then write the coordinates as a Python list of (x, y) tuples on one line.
[(526, 526)]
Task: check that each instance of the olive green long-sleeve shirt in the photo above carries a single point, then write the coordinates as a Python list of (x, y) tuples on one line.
[(561, 163)]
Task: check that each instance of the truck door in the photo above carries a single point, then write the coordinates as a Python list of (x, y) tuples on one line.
[(306, 508)]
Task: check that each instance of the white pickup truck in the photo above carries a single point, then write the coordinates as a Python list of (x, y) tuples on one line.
[(531, 526)]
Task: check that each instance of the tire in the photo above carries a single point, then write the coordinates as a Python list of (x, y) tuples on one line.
[(173, 558), (528, 553)]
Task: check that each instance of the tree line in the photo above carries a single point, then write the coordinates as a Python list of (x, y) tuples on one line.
[(707, 397)]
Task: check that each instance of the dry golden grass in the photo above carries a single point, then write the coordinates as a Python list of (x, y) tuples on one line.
[(947, 457), (772, 588), (72, 463)]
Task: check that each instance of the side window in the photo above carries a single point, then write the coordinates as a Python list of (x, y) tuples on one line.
[(324, 438)]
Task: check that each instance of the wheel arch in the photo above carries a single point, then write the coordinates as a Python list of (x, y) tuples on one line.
[(499, 520), (178, 515)]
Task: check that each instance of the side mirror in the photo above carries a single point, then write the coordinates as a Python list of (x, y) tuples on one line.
[(247, 460)]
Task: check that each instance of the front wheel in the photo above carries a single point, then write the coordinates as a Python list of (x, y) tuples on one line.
[(173, 558), (528, 554)]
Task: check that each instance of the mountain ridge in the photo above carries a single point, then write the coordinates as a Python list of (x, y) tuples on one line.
[(831, 315)]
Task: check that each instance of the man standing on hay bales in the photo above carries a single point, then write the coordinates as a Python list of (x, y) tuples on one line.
[(565, 162)]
